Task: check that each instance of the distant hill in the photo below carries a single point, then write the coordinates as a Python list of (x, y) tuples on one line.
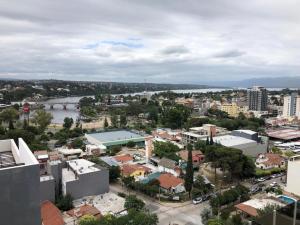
[(275, 82)]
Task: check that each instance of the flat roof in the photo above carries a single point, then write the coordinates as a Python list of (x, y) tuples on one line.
[(284, 134), (246, 131), (231, 141), (82, 166), (112, 136)]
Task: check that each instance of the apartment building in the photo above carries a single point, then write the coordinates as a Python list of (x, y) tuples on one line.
[(257, 98), (293, 181), (19, 184), (83, 178), (291, 105)]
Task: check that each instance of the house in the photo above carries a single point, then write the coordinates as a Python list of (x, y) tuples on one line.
[(197, 157), (269, 161), (50, 214), (135, 170), (122, 159), (166, 165), (170, 183), (84, 210), (252, 206)]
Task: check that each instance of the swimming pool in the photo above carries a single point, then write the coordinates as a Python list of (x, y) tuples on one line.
[(287, 199)]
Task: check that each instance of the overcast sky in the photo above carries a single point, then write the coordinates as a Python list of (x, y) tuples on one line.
[(170, 41)]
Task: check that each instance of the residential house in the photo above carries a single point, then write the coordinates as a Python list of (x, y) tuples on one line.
[(166, 165), (83, 210), (135, 170), (123, 159), (170, 183), (269, 161), (50, 214), (197, 157)]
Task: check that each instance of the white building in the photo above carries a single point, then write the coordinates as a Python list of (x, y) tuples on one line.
[(19, 184), (293, 181), (291, 105)]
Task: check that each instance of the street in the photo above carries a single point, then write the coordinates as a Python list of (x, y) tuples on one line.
[(177, 213)]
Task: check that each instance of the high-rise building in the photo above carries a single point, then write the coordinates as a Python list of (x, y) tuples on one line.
[(19, 184), (291, 105), (257, 98)]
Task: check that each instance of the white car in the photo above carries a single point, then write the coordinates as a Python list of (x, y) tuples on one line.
[(197, 200), (273, 184)]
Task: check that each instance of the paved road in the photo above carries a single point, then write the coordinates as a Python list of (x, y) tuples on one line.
[(169, 213)]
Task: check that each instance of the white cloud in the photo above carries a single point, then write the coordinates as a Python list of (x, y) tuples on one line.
[(190, 41)]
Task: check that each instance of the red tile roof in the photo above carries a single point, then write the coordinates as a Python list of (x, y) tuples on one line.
[(168, 181), (195, 154), (272, 159), (84, 210), (51, 214), (123, 158), (128, 169), (247, 209)]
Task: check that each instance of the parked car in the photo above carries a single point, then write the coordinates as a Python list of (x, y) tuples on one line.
[(261, 179), (274, 184), (197, 200), (255, 189)]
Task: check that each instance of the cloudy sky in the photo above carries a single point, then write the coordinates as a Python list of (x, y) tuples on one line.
[(170, 41)]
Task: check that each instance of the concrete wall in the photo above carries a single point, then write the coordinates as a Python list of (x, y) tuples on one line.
[(94, 183), (55, 169), (20, 195), (293, 183), (47, 190), (253, 137)]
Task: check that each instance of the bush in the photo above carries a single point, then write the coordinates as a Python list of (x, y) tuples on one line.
[(131, 144), (65, 203), (122, 194)]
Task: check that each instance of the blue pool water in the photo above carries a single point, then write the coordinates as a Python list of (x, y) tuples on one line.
[(286, 199)]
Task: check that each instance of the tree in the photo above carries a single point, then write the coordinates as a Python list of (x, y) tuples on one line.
[(205, 215), (42, 119), (88, 220), (237, 220), (267, 210), (166, 149), (114, 120), (86, 102), (211, 140), (123, 120), (131, 144), (207, 141), (77, 143), (68, 122), (105, 122), (189, 174), (132, 202), (114, 173), (65, 203), (9, 115)]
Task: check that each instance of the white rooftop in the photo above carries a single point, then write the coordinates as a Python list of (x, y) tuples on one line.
[(193, 134), (231, 141), (247, 131), (82, 166), (66, 151), (262, 203)]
